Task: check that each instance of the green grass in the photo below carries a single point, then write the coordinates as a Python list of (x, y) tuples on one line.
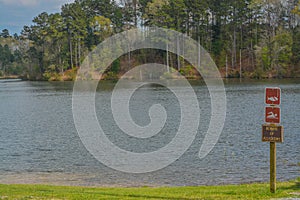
[(228, 192)]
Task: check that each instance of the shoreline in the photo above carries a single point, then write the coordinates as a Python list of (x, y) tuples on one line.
[(115, 77), (90, 180)]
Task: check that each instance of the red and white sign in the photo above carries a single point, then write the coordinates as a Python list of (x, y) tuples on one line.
[(273, 96), (272, 115), (272, 132)]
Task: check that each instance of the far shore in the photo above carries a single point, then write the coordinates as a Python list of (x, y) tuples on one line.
[(11, 77), (190, 79)]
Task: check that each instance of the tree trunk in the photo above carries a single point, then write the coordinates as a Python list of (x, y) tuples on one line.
[(79, 52), (168, 64), (234, 47), (129, 57), (226, 75), (178, 54), (199, 52), (135, 12), (76, 53), (71, 51), (240, 63), (59, 59)]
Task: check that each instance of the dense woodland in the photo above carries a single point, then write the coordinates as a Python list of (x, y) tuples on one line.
[(259, 38)]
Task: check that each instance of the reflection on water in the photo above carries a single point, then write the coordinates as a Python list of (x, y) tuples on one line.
[(39, 142)]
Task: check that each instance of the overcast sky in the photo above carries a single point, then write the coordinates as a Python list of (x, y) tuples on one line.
[(14, 14)]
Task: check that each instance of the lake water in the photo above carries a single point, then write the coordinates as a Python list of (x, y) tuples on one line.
[(39, 142)]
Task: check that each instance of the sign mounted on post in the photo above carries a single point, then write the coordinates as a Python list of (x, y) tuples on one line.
[(272, 115), (273, 96), (272, 132)]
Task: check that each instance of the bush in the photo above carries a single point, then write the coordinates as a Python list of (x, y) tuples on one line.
[(188, 72), (70, 75), (167, 76), (111, 76)]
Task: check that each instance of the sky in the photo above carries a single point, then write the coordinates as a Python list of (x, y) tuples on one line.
[(14, 14)]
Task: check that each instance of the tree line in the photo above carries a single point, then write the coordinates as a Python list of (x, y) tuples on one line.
[(246, 38)]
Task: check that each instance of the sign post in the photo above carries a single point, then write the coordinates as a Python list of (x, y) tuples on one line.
[(272, 131), (273, 167)]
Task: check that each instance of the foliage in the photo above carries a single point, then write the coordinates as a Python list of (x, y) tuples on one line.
[(111, 76), (267, 33), (187, 71), (276, 54)]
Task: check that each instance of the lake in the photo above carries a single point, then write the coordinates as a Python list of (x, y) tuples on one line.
[(40, 144)]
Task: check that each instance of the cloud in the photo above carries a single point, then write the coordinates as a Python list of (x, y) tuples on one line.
[(14, 14), (20, 2), (54, 4)]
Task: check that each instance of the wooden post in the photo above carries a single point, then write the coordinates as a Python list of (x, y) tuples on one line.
[(272, 167)]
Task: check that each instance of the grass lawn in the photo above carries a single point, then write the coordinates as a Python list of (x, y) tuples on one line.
[(228, 192)]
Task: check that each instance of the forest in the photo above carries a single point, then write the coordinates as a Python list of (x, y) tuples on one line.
[(246, 38)]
